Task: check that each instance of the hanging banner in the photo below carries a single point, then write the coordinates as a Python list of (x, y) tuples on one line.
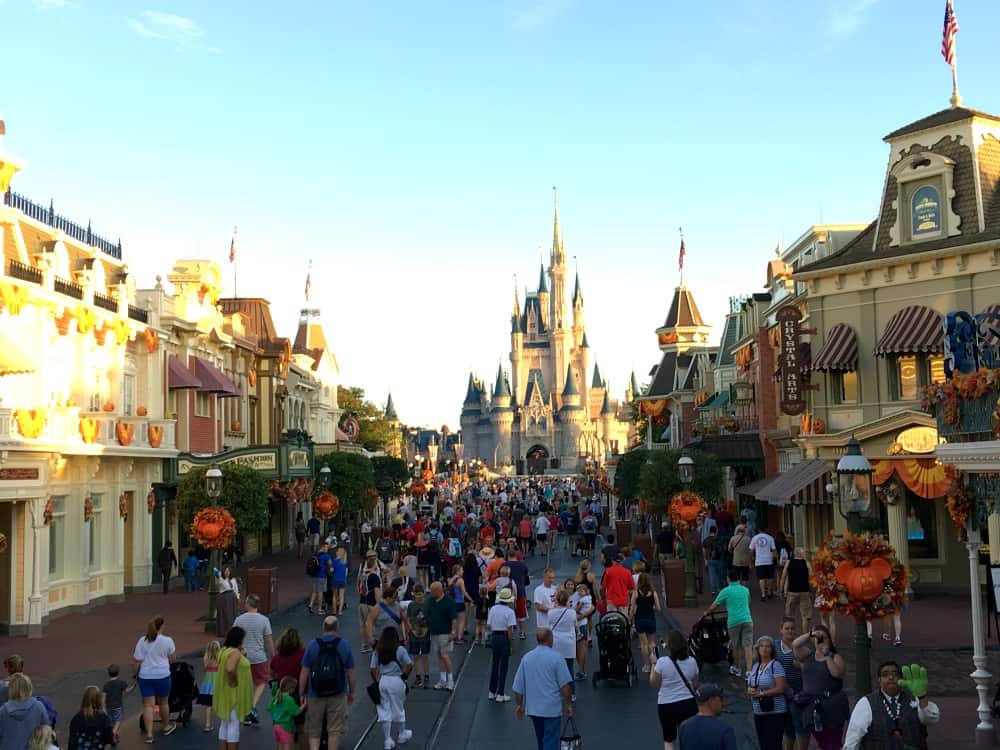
[(792, 399)]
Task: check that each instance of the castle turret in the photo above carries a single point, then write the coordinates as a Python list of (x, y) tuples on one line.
[(557, 271), (516, 342), (543, 297), (390, 411), (570, 392), (501, 392), (578, 324)]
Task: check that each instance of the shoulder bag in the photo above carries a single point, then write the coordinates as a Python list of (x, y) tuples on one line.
[(685, 679)]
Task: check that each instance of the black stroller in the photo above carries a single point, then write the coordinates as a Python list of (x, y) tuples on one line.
[(614, 646), (183, 692), (709, 640)]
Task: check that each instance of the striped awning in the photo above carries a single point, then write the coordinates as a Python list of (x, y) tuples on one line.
[(992, 325), (839, 352), (912, 330), (803, 484)]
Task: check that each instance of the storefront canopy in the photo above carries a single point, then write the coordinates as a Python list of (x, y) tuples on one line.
[(839, 352), (178, 376), (803, 484), (719, 401), (213, 381), (925, 477), (912, 330), (13, 359)]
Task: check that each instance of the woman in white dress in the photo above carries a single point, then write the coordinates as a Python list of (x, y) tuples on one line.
[(562, 623), (391, 665), (227, 604)]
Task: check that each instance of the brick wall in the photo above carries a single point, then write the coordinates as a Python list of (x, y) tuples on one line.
[(203, 430)]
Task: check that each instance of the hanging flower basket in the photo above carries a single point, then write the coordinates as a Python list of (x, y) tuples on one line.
[(859, 576), (151, 502), (959, 500), (88, 508), (123, 506), (687, 509), (213, 528), (326, 506), (3, 542), (49, 513)]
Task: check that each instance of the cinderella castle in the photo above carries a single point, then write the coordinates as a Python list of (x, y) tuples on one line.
[(554, 411)]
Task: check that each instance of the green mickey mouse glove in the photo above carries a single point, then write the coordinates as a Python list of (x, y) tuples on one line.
[(915, 680)]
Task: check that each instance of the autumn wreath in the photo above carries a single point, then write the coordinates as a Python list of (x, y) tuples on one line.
[(971, 385), (859, 576), (959, 499), (88, 508), (3, 542), (213, 528), (687, 509), (326, 506)]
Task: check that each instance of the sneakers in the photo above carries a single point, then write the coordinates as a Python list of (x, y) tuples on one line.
[(493, 696), (574, 698), (441, 686), (405, 736), (735, 671), (389, 745), (366, 648), (419, 682), (450, 685), (503, 698), (580, 676), (173, 728), (645, 669)]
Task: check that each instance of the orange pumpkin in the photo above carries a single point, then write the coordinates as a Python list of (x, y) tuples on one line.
[(140, 411), (213, 528), (155, 435), (88, 429), (865, 583), (326, 506), (428, 475), (109, 406), (152, 340), (124, 432), (30, 422), (819, 427)]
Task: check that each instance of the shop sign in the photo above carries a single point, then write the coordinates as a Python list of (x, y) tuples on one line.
[(298, 459), (971, 341), (925, 212), (792, 399), (918, 439), (14, 474), (260, 461)]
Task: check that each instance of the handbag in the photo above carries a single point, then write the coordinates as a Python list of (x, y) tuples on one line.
[(374, 693), (834, 709), (765, 702), (569, 737)]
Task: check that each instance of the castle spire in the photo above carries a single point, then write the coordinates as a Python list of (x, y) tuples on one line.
[(390, 410), (598, 381), (558, 254), (542, 286), (577, 293)]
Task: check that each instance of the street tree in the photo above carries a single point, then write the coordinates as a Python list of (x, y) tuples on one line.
[(376, 433), (659, 478), (244, 494), (391, 468)]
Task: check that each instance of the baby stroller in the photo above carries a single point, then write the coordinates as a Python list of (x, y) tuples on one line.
[(709, 640), (183, 692), (614, 645)]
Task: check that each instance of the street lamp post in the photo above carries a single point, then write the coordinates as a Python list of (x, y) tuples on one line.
[(685, 470), (384, 486), (854, 497), (213, 490)]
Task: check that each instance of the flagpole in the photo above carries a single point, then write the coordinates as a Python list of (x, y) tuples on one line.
[(956, 98), (681, 264)]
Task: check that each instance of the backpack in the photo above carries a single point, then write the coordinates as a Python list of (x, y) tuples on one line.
[(454, 547), (590, 524), (328, 676), (50, 710), (383, 550), (312, 566)]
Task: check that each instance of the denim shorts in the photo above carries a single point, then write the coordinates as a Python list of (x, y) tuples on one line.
[(115, 714), (158, 688)]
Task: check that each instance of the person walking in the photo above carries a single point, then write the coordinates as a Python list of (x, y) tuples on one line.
[(519, 577), (542, 687), (419, 645), (390, 668), (166, 561), (152, 657), (210, 663), (191, 571), (617, 585), (796, 732), (562, 623), (675, 676), (227, 602), (287, 662), (318, 568), (644, 606), (766, 687), (370, 591), (233, 697), (715, 555), (764, 551), (735, 597), (300, 535), (705, 730), (327, 681), (897, 712), (441, 617), (544, 598), (284, 710), (456, 586), (583, 604), (795, 586), (585, 576), (91, 727), (501, 621), (258, 645), (823, 671), (20, 714), (739, 549), (386, 614)]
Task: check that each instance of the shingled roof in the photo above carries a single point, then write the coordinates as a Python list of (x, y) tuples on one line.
[(944, 117), (683, 310), (259, 325)]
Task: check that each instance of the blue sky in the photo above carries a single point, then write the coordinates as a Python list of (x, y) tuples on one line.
[(409, 149)]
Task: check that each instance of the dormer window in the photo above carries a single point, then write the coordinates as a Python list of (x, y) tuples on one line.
[(924, 195)]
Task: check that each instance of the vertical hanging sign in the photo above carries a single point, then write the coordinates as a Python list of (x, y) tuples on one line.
[(792, 399)]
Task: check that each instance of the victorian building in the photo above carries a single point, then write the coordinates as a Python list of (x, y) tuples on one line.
[(554, 407)]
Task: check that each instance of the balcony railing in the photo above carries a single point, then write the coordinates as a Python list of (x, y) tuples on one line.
[(67, 427), (38, 212), (23, 272), (108, 303), (68, 288), (137, 313), (975, 419)]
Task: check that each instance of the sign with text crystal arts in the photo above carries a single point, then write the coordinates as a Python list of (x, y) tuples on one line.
[(792, 398)]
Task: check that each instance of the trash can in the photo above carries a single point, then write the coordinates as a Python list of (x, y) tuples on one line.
[(264, 583), (623, 533), (673, 581)]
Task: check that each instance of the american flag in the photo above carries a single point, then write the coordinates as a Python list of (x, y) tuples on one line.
[(680, 257), (948, 36), (232, 247), (309, 285)]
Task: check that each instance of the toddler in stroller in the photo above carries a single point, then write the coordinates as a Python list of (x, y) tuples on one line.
[(709, 641), (183, 692), (614, 645)]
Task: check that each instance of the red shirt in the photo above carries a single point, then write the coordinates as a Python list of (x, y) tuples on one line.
[(418, 526), (617, 585), (525, 527), (487, 533), (287, 665)]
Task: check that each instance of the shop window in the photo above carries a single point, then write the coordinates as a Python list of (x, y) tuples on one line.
[(845, 387), (128, 394), (911, 372), (172, 403), (98, 389), (936, 368), (94, 535), (921, 527), (57, 539), (202, 404)]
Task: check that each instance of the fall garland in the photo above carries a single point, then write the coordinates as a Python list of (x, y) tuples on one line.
[(213, 528), (959, 499), (859, 576), (687, 509), (971, 385)]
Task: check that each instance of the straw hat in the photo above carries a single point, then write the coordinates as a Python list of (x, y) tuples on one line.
[(506, 596), (487, 553)]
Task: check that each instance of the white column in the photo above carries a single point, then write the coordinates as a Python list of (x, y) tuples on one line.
[(35, 508), (799, 527), (896, 520), (993, 525), (982, 678)]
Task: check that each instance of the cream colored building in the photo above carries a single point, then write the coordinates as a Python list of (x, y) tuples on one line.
[(83, 433)]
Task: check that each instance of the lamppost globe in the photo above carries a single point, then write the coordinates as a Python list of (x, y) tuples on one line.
[(685, 468), (213, 482), (325, 477)]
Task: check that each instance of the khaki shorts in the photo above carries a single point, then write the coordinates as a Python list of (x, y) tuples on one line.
[(363, 611), (333, 708), (444, 643), (741, 636)]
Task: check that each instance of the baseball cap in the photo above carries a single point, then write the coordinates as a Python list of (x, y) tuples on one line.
[(706, 691)]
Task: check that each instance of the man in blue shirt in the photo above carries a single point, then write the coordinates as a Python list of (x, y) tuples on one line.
[(705, 730), (191, 571), (319, 578), (313, 528), (333, 708), (542, 690)]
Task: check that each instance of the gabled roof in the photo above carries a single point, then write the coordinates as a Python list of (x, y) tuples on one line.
[(532, 302), (536, 385), (665, 377), (390, 410), (683, 310), (731, 333), (944, 117), (598, 381), (259, 325)]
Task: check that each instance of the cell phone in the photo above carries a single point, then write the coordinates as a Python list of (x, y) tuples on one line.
[(660, 648), (217, 572)]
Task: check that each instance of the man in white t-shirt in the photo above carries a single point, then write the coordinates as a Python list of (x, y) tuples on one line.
[(763, 548), (542, 532), (258, 644), (545, 598)]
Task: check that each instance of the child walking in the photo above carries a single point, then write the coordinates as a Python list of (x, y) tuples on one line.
[(206, 690), (283, 710), (114, 692)]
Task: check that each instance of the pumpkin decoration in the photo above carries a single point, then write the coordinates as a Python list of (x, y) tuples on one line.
[(109, 406), (235, 426), (140, 411), (13, 297), (101, 334), (417, 489), (326, 506), (213, 528), (252, 378), (818, 426), (152, 340), (88, 508), (958, 499), (123, 506), (63, 321), (49, 512), (151, 502), (428, 475), (121, 331), (3, 542), (687, 509), (859, 576), (85, 319), (88, 429), (155, 435), (124, 432), (30, 422)]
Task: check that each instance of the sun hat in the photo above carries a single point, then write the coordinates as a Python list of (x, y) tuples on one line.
[(370, 553), (487, 553), (506, 596)]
